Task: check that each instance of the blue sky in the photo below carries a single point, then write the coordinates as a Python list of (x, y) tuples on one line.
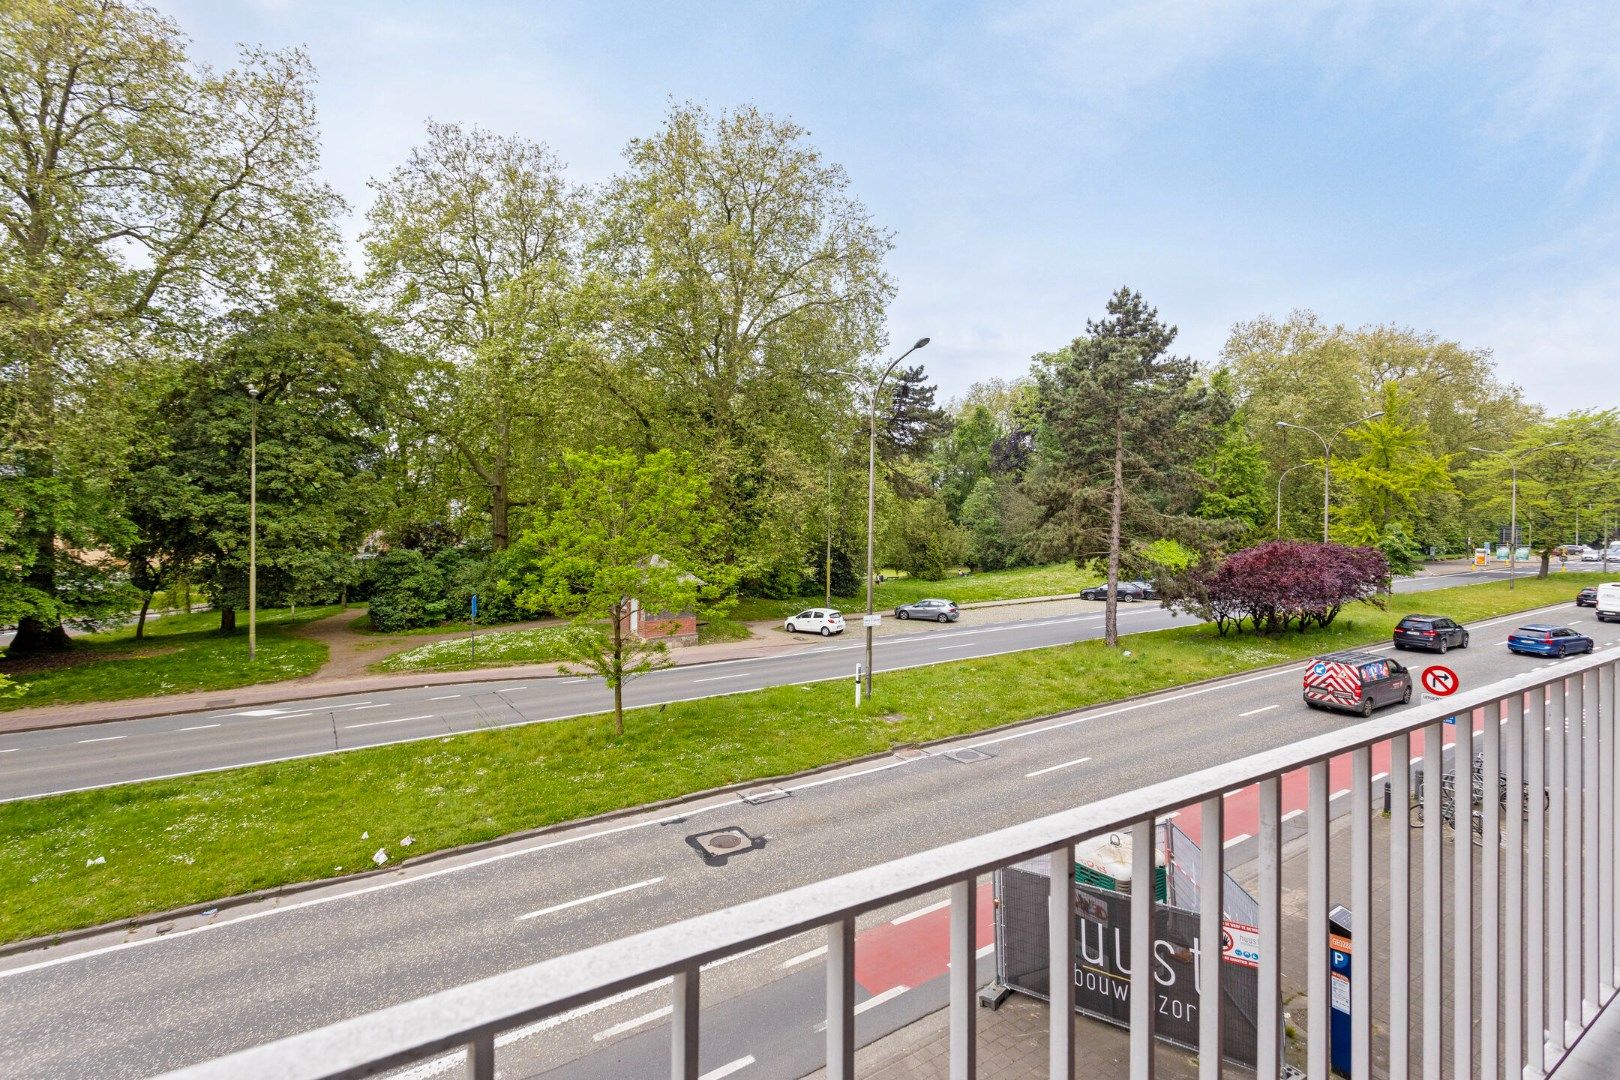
[(1451, 166)]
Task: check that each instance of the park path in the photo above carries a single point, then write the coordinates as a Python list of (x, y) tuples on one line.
[(351, 652)]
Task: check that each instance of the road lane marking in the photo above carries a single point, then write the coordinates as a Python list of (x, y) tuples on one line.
[(588, 899), (920, 912), (795, 961), (872, 1002), (198, 727), (444, 697), (104, 738), (963, 645), (728, 1068), (718, 678), (377, 723), (632, 1024), (1257, 712), (1238, 839), (1055, 768), (509, 689), (10, 750), (362, 708)]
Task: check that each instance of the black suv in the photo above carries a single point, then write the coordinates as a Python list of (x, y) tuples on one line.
[(1434, 632), (1587, 597)]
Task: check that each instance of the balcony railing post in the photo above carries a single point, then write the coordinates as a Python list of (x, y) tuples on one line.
[(1433, 895), (1317, 989), (481, 1057), (1574, 837), (964, 981), (1211, 879), (1361, 908), (1490, 875), (1400, 903), (1143, 881), (1609, 851), (1591, 740), (1060, 963), (841, 1000), (1535, 918), (1269, 1022), (1462, 899), (1513, 892), (686, 1007), (1558, 781)]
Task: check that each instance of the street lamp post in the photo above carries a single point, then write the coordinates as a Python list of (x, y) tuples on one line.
[(873, 388), (1327, 457), (1282, 476), (1513, 501), (253, 527)]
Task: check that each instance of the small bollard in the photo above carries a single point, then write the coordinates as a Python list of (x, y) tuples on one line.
[(857, 686)]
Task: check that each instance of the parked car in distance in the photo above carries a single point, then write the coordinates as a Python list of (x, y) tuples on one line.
[(1433, 632), (1149, 590), (1592, 555), (1545, 639), (1357, 682), (1129, 592), (823, 621), (937, 610), (1587, 597)]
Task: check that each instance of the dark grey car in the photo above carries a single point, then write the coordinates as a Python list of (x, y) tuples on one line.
[(937, 610)]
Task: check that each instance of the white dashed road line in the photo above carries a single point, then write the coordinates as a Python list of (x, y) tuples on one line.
[(378, 723), (803, 957), (588, 899), (718, 678), (1055, 768), (1257, 712), (728, 1068), (444, 697), (198, 727), (632, 1024), (919, 913), (104, 738)]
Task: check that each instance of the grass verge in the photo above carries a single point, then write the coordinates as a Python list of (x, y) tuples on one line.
[(547, 645), (1056, 580), (173, 842), (178, 653)]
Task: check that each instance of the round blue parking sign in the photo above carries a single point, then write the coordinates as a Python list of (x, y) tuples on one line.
[(1321, 669)]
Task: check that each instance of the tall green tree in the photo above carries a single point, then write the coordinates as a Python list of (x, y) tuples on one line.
[(962, 458), (743, 275), (137, 191), (622, 531), (1127, 423), (1395, 483), (473, 246), (316, 367), (1238, 490)]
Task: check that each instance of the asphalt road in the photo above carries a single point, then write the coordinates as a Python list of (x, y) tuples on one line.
[(74, 758), (137, 1002)]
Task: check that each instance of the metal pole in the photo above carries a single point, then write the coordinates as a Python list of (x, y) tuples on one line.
[(253, 529), (1327, 454), (871, 517), (1513, 528)]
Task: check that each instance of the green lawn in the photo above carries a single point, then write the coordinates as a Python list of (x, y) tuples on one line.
[(179, 653), (171, 842), (362, 625), (1056, 580)]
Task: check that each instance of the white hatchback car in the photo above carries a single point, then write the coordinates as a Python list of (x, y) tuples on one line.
[(816, 621)]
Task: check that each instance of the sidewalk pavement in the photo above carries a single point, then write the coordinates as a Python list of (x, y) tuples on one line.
[(770, 640), (1012, 1039)]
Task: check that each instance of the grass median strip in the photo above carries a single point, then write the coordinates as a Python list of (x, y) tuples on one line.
[(172, 842)]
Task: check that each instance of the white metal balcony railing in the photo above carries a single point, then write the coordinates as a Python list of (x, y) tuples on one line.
[(1545, 965)]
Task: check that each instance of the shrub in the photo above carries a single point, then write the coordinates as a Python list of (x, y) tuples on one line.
[(407, 591), (1282, 583)]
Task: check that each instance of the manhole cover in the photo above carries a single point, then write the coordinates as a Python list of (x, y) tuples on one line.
[(910, 753), (718, 846)]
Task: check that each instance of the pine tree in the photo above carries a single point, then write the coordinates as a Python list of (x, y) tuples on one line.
[(1125, 424)]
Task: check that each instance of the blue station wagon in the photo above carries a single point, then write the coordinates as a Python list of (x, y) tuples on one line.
[(1545, 639)]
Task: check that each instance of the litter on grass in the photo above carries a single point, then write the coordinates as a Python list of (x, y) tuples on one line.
[(99, 860), (380, 857), (408, 841)]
